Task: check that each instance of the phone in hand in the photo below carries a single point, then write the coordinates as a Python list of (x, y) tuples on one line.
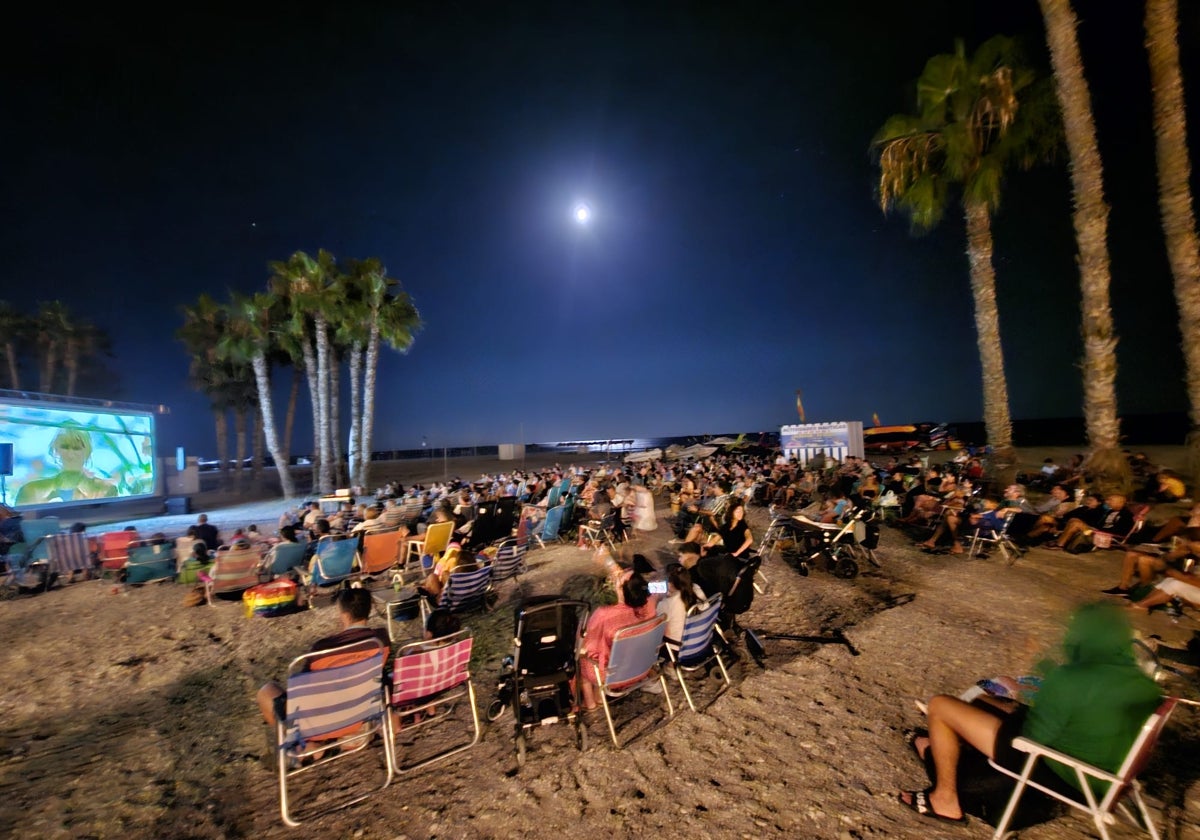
[(658, 587)]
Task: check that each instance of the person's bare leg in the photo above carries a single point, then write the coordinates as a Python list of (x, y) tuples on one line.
[(1128, 564), (587, 689), (266, 702), (1154, 599), (952, 721), (1148, 567), (1072, 528)]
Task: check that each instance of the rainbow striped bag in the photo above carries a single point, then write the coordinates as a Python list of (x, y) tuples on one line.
[(270, 599)]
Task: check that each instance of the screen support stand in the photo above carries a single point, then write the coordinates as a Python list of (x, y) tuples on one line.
[(3, 490)]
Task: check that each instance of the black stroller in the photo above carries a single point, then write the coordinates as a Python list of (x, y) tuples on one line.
[(837, 548), (537, 682)]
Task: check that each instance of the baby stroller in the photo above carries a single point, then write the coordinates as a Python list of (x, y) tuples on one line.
[(537, 682), (837, 548)]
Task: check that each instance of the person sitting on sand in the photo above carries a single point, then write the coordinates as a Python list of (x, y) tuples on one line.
[(1176, 583), (1148, 565), (353, 611), (1176, 525), (1092, 708)]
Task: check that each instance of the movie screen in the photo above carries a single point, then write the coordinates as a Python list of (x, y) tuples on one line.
[(73, 454)]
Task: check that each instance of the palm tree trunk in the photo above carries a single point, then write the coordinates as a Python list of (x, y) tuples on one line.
[(314, 395), (239, 428), (263, 383), (335, 419), (289, 420), (256, 453), (10, 349), (354, 449), (222, 431), (1175, 198), (996, 417), (1091, 235), (322, 336), (71, 363), (368, 411), (49, 359)]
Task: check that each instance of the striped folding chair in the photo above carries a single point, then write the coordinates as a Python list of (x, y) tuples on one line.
[(509, 560), (335, 707), (69, 553), (698, 649), (467, 588), (431, 681), (632, 663), (233, 570)]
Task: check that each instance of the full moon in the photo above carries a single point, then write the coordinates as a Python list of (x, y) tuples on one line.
[(582, 213)]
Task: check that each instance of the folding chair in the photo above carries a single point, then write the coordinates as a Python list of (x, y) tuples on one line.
[(433, 542), (1107, 539), (234, 570), (466, 589), (283, 558), (1123, 782), (596, 532), (632, 663), (114, 549), (509, 560), (335, 560), (69, 553), (148, 563), (335, 707), (426, 676), (379, 550), (982, 537), (550, 526), (697, 648)]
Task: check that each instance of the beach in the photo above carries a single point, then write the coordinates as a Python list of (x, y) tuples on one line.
[(128, 714)]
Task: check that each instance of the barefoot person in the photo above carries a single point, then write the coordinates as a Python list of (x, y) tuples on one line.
[(1091, 708)]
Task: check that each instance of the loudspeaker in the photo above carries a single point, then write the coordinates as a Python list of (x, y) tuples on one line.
[(6, 459)]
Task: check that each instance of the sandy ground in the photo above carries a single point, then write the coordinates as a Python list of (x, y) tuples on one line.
[(129, 715)]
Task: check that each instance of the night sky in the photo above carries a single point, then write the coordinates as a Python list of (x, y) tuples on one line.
[(736, 251)]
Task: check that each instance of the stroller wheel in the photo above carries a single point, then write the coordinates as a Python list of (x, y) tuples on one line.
[(845, 568), (520, 749), (496, 710)]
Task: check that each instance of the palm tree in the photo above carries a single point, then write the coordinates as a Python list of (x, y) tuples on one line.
[(1175, 197), (80, 342), (14, 326), (249, 337), (204, 323), (1105, 461), (977, 114), (303, 281), (53, 322)]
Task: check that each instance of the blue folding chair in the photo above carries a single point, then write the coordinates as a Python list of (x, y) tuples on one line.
[(550, 526), (335, 708), (466, 589), (148, 563), (632, 663), (335, 560), (698, 649), (284, 557)]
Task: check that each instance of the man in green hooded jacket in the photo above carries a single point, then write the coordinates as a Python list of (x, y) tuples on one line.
[(1091, 708)]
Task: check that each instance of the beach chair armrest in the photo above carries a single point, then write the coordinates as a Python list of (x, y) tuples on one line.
[(1034, 749)]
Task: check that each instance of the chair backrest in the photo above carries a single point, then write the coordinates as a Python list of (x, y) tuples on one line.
[(150, 562), (696, 645), (393, 516), (114, 548), (284, 557), (741, 593), (466, 589), (335, 559), (437, 537), (325, 700), (68, 553), (553, 496), (379, 550), (1142, 748), (36, 531), (235, 569), (635, 651), (509, 559), (552, 523), (421, 669)]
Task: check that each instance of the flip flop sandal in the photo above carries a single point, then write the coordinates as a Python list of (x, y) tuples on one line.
[(911, 737), (921, 805)]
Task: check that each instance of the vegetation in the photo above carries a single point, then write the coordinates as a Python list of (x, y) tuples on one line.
[(976, 116), (314, 315), (60, 352)]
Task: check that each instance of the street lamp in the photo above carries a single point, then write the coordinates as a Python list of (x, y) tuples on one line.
[(582, 213)]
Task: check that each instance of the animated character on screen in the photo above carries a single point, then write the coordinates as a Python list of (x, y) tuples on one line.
[(71, 449)]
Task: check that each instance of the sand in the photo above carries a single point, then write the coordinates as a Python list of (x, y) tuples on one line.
[(129, 715)]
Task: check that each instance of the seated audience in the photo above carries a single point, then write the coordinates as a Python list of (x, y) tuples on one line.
[(633, 605)]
